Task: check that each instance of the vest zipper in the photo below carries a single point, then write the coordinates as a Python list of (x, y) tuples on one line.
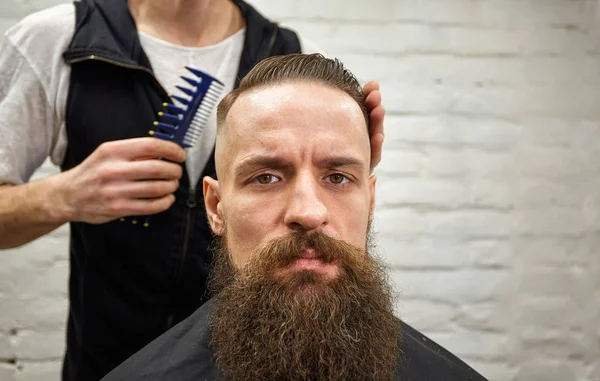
[(108, 60), (191, 204), (191, 201)]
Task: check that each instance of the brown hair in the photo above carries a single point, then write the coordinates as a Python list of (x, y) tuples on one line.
[(296, 67)]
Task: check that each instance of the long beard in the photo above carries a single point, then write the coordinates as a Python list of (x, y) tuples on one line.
[(302, 326)]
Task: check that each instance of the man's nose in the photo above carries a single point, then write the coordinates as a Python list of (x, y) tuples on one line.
[(306, 210)]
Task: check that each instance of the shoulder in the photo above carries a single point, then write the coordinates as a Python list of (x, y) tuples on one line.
[(51, 26), (424, 360), (42, 37)]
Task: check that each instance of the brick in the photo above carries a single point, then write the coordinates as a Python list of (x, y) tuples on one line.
[(489, 191), (479, 167), (552, 281), (556, 164), (6, 346), (489, 317), (452, 131), (547, 369), (402, 192), (399, 162), (7, 371), (13, 10), (40, 345), (550, 222), (398, 222), (493, 370), (405, 38), (476, 345), (470, 224), (553, 251), (426, 316), (559, 133), (490, 253), (538, 194), (39, 371), (456, 287), (425, 253), (39, 313)]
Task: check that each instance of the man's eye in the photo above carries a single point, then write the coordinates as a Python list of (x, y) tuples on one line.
[(266, 179), (338, 178)]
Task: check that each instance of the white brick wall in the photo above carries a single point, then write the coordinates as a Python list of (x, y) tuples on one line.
[(488, 193)]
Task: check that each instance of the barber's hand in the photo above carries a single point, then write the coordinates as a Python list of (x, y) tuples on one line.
[(377, 112), (121, 178)]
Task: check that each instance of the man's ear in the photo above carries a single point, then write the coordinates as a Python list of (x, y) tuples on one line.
[(372, 182), (212, 203)]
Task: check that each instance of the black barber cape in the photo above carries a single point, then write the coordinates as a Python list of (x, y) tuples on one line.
[(183, 354)]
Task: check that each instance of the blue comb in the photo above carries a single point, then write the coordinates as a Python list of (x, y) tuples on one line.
[(183, 120), (184, 123)]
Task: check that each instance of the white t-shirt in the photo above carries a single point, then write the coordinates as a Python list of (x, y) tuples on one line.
[(34, 83)]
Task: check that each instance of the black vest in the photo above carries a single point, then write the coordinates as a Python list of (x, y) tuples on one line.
[(128, 283)]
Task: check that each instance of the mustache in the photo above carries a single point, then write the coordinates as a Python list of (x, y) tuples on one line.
[(285, 250)]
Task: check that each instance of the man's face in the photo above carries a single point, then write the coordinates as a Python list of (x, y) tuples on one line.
[(298, 295), (294, 157)]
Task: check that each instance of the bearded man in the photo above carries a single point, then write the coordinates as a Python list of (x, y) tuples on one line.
[(298, 292)]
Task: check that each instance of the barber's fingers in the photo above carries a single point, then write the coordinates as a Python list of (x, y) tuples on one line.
[(138, 148)]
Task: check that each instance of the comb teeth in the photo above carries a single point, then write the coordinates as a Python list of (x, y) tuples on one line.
[(187, 91), (185, 121), (173, 119), (181, 100), (190, 81)]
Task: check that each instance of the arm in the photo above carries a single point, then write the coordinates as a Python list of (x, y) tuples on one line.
[(26, 212), (120, 178)]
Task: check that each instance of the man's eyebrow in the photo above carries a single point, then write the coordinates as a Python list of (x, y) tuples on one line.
[(261, 161), (341, 161)]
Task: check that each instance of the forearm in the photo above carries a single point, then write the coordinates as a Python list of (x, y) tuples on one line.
[(29, 211)]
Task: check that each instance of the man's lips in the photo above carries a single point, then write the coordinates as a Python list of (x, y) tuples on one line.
[(310, 259)]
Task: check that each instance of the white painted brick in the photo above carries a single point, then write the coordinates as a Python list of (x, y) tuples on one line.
[(549, 222), (471, 224), (402, 192), (457, 287), (39, 345), (493, 371), (39, 371), (560, 164), (550, 282), (488, 316), (13, 10), (7, 371), (398, 222), (424, 253), (426, 316), (44, 313), (548, 369), (6, 346), (492, 193), (398, 162), (452, 131), (534, 193), (552, 251), (412, 39), (478, 345), (552, 313), (490, 253)]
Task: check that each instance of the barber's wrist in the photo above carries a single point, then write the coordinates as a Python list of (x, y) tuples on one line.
[(54, 199)]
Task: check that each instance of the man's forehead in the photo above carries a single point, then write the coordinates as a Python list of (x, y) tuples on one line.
[(293, 102), (289, 116)]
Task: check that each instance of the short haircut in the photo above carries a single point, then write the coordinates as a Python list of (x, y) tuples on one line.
[(296, 67)]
